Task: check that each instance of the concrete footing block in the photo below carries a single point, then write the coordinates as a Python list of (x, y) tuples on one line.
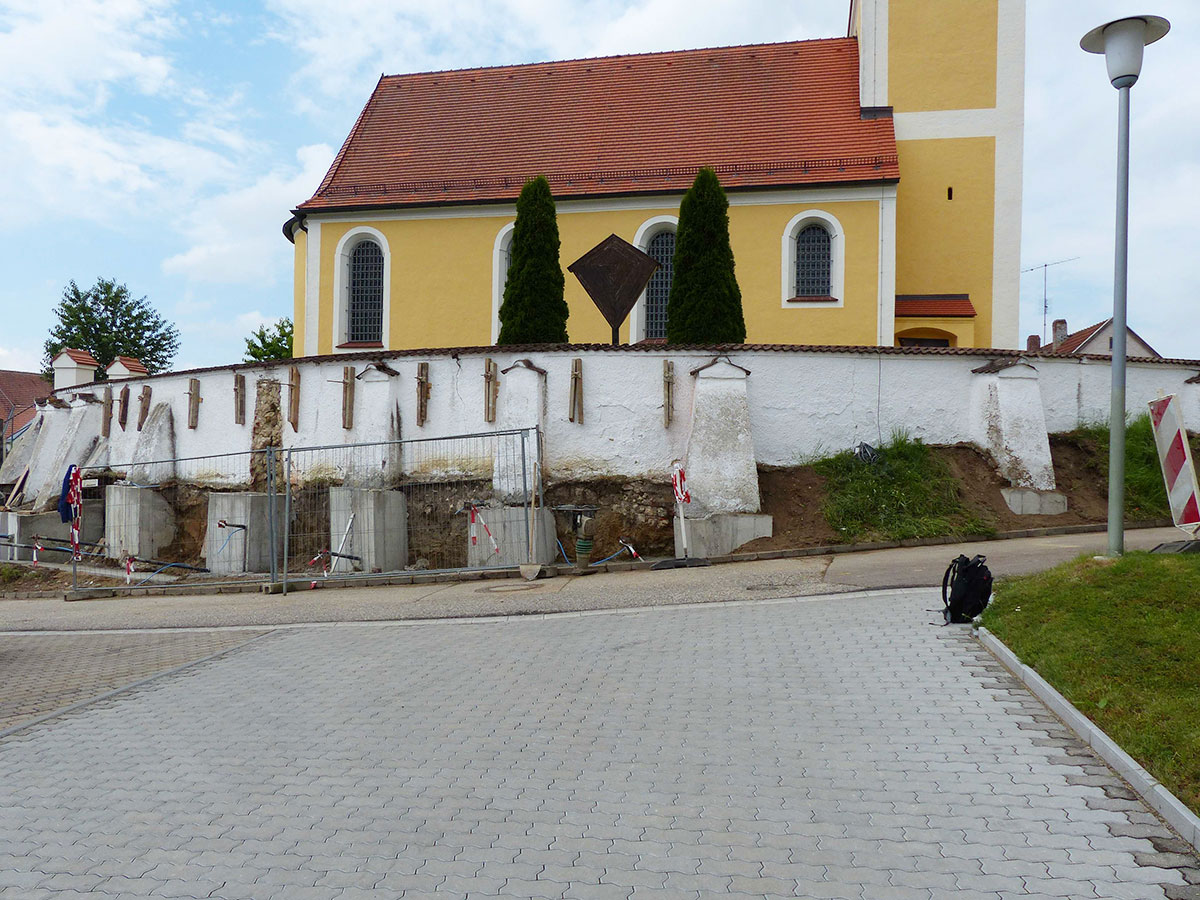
[(1028, 502), (137, 522), (377, 534), (721, 534), (232, 550), (508, 526), (24, 528)]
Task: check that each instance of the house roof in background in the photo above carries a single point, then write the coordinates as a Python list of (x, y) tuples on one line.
[(934, 305), (765, 115), (19, 390), (1076, 341)]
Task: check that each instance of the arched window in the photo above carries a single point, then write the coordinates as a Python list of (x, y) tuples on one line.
[(501, 263), (813, 262), (365, 307), (662, 248)]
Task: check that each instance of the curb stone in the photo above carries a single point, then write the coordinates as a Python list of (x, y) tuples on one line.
[(1177, 815)]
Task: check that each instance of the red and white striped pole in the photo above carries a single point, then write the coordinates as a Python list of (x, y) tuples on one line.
[(1179, 472)]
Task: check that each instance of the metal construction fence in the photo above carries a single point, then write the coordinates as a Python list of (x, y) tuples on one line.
[(308, 514)]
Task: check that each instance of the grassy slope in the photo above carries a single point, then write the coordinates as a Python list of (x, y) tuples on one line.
[(908, 493), (1119, 640), (1145, 494)]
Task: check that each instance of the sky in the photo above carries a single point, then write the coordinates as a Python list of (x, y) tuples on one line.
[(162, 142)]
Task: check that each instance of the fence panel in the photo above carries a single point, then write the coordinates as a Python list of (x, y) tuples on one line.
[(431, 504), (215, 519)]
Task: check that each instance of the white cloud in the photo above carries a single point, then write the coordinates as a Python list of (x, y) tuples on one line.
[(20, 359), (235, 236)]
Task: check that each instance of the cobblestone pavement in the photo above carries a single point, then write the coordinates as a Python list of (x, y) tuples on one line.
[(829, 748), (42, 673)]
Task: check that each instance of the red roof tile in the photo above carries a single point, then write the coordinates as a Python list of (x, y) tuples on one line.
[(766, 115), (82, 357), (18, 390), (934, 305), (1077, 339), (133, 364)]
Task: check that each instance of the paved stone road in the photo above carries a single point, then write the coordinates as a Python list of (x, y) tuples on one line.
[(829, 748), (42, 673)]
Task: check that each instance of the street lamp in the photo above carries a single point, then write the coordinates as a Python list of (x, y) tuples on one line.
[(1121, 42)]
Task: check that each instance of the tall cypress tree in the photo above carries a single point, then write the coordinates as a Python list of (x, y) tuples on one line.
[(705, 303), (534, 311)]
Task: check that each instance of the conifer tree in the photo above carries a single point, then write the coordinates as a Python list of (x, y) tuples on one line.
[(705, 303), (534, 311)]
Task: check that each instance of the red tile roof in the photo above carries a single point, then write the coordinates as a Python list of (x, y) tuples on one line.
[(934, 305), (1077, 339), (82, 357), (765, 115), (18, 390), (133, 364)]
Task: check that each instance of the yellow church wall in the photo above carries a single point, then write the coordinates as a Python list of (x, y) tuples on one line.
[(441, 271), (941, 55), (298, 261), (960, 332), (945, 246)]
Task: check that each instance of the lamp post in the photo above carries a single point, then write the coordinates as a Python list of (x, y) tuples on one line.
[(1121, 42)]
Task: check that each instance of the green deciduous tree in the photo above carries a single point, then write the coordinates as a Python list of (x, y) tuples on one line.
[(705, 303), (266, 344), (534, 311), (107, 322)]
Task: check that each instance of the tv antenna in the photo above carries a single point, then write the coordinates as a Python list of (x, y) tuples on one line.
[(1045, 295)]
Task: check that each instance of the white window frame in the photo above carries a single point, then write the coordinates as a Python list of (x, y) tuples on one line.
[(341, 284), (499, 273), (837, 259), (647, 231)]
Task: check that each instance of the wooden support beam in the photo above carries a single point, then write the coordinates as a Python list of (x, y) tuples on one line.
[(668, 391), (123, 407), (423, 391), (348, 397), (106, 413), (491, 389), (144, 405), (194, 401), (294, 397), (576, 406), (239, 399)]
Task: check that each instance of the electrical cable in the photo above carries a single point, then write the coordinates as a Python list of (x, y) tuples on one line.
[(607, 558)]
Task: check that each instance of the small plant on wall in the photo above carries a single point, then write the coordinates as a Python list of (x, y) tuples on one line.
[(705, 303), (534, 310)]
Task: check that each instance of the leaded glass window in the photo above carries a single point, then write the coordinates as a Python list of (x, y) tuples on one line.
[(366, 293), (662, 249), (813, 262)]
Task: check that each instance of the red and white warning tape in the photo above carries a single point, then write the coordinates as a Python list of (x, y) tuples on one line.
[(679, 484), (477, 516)]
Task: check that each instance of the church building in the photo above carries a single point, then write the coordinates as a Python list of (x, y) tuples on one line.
[(874, 184)]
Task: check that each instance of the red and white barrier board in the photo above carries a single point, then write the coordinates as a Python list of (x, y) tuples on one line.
[(1176, 457)]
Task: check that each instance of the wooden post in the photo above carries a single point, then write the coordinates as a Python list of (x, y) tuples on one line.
[(194, 401), (123, 407), (294, 398), (576, 408), (423, 391), (491, 389), (144, 405), (239, 399), (348, 397), (668, 391), (106, 413)]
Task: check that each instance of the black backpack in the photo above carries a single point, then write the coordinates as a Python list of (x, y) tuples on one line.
[(966, 589)]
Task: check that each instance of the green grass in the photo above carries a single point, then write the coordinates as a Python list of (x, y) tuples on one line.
[(908, 493), (1119, 640), (1145, 494)]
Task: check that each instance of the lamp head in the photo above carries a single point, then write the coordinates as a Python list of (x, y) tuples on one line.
[(1121, 41)]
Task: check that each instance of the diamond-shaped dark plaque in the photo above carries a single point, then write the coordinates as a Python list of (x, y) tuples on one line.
[(614, 273)]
